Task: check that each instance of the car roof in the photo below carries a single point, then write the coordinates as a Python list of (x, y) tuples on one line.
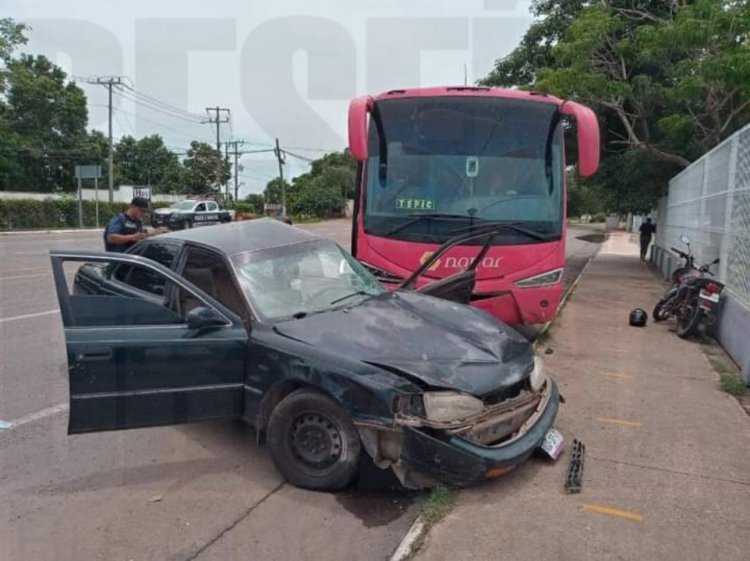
[(243, 236)]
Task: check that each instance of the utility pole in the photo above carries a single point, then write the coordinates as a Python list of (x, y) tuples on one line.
[(218, 120), (280, 158), (108, 82), (236, 153)]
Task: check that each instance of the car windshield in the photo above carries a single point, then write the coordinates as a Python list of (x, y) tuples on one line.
[(183, 205), (438, 164), (302, 279)]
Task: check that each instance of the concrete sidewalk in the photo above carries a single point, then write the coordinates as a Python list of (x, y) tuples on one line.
[(667, 466)]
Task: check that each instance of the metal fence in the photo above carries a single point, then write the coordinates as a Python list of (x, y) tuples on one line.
[(710, 203)]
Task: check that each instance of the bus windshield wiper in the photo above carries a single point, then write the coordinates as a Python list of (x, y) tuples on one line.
[(418, 217), (514, 226)]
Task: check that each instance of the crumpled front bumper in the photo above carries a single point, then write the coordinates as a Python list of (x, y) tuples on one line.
[(457, 461)]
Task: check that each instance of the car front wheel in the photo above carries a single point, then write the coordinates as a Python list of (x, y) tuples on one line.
[(313, 442)]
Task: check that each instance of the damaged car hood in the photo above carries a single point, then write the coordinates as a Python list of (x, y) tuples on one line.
[(436, 342)]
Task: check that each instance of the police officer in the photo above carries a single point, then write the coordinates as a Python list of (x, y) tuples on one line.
[(125, 229)]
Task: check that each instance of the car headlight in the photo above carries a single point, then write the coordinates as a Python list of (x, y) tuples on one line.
[(450, 406), (538, 376), (545, 279)]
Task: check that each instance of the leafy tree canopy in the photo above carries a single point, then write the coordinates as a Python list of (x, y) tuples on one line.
[(668, 79)]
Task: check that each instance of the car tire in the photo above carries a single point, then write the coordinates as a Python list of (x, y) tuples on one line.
[(313, 442), (187, 224)]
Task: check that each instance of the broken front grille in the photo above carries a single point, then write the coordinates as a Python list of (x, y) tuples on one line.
[(504, 420)]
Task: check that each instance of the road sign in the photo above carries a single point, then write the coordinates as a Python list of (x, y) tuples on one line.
[(144, 192), (88, 172)]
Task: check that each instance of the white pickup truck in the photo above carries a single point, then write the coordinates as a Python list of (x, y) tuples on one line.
[(189, 213)]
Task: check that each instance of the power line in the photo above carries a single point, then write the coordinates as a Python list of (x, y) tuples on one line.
[(180, 133), (308, 149), (304, 158), (150, 100), (127, 95)]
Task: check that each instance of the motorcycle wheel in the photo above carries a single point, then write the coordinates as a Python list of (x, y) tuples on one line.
[(689, 320), (659, 314)]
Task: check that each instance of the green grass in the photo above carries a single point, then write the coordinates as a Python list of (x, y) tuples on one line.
[(728, 372), (437, 505), (593, 238), (732, 385), (306, 219)]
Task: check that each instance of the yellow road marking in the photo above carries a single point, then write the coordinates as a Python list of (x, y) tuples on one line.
[(621, 422), (600, 509), (618, 375)]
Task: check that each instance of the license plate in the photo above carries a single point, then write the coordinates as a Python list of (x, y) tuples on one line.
[(710, 296), (553, 443)]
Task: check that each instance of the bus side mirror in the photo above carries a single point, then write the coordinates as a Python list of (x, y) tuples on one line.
[(358, 110), (588, 136)]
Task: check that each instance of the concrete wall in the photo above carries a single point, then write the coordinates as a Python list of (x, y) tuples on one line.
[(123, 194)]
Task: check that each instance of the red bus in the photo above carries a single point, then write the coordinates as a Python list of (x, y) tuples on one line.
[(436, 163)]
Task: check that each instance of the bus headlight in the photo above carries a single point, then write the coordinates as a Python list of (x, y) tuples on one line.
[(538, 376), (545, 279), (450, 406)]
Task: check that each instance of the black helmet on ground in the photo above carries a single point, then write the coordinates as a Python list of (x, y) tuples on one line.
[(638, 317)]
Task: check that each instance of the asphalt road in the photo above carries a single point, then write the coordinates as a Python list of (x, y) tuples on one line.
[(203, 491)]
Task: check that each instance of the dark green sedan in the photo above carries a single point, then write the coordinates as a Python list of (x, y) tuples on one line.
[(264, 322)]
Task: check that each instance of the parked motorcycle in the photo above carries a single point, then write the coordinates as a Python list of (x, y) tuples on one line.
[(693, 296), (666, 308)]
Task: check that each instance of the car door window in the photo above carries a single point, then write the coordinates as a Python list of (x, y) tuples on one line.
[(209, 272), (200, 208), (212, 206), (146, 297), (120, 271)]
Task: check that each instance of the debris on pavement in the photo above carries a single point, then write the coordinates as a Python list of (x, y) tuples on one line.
[(553, 443), (575, 471)]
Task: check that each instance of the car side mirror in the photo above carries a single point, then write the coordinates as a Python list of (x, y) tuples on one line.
[(204, 318)]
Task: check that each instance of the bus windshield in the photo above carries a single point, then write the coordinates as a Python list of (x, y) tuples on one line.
[(439, 165)]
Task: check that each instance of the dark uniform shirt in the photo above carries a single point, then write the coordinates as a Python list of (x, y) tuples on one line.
[(647, 230), (124, 225)]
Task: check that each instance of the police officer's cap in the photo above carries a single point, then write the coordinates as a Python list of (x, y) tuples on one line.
[(140, 202)]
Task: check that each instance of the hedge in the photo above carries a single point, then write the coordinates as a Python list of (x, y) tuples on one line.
[(30, 214)]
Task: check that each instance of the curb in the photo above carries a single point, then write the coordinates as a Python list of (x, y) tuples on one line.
[(566, 297), (419, 529), (407, 547), (70, 231)]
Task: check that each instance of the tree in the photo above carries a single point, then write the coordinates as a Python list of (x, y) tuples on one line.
[(323, 190), (520, 67), (669, 80), (48, 116), (256, 202), (675, 75), (148, 161), (319, 199), (12, 35), (205, 169), (272, 192)]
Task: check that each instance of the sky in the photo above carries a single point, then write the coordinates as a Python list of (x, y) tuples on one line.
[(284, 68)]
